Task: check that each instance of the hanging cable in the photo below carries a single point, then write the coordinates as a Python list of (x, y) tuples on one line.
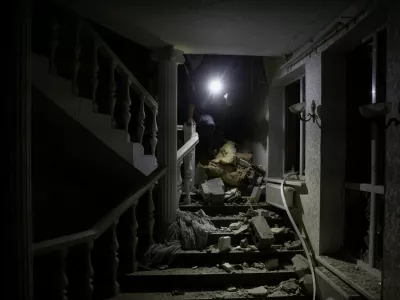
[(303, 243)]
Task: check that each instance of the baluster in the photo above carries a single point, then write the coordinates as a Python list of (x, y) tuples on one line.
[(140, 121), (153, 135), (150, 216), (179, 180), (129, 241), (112, 87), (107, 284), (135, 239), (188, 175), (126, 104), (76, 65), (95, 69), (53, 44), (81, 282), (59, 281)]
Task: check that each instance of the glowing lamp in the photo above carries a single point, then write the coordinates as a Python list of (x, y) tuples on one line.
[(215, 86)]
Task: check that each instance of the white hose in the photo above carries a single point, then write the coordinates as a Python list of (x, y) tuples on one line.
[(303, 243)]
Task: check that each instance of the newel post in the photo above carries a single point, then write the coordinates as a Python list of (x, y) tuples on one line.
[(168, 59), (189, 161)]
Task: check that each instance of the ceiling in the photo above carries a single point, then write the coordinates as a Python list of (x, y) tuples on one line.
[(236, 27)]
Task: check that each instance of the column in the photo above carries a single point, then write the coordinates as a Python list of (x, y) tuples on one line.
[(15, 162), (168, 59)]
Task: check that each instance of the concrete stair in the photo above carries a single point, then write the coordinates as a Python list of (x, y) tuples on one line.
[(59, 90), (197, 274)]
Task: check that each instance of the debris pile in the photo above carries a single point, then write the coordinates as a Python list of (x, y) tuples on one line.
[(235, 170), (189, 232), (285, 288)]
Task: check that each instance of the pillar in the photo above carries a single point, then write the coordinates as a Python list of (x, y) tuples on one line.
[(15, 161), (168, 59)]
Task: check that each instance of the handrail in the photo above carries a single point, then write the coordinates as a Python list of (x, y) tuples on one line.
[(62, 242), (97, 230), (187, 147), (114, 214), (121, 68)]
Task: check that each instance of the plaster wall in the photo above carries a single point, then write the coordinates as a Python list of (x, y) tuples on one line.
[(270, 123), (391, 255), (310, 203)]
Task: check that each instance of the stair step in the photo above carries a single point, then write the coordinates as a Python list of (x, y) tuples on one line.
[(225, 221), (207, 295), (201, 278), (193, 258), (236, 238), (215, 210)]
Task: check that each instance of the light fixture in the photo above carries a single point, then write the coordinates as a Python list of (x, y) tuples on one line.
[(300, 108), (375, 111), (215, 86)]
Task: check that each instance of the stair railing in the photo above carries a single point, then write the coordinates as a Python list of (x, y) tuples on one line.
[(85, 265), (186, 155), (117, 107)]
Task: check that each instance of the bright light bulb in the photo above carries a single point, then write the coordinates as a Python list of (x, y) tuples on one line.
[(215, 86)]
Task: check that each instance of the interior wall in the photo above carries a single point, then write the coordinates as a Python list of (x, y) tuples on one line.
[(269, 128), (333, 151), (391, 254), (310, 203)]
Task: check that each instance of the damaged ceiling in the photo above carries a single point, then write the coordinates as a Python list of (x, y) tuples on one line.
[(236, 27)]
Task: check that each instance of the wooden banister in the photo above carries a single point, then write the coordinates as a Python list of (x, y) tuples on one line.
[(120, 67)]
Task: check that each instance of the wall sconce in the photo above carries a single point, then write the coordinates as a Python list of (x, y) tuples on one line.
[(375, 111), (300, 107)]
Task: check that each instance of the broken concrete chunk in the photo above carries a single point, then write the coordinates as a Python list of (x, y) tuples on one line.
[(290, 286), (258, 291), (245, 265), (231, 289), (266, 213), (230, 193), (293, 245), (235, 226), (227, 267), (242, 229), (255, 195), (244, 243), (307, 283), (259, 266), (252, 248), (237, 248), (262, 235), (300, 264), (224, 243), (272, 264), (277, 230), (213, 191)]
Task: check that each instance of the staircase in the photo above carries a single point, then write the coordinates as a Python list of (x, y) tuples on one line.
[(198, 274), (97, 89)]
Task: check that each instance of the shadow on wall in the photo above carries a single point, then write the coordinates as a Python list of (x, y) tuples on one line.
[(259, 107)]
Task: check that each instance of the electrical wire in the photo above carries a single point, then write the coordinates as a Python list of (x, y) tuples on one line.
[(303, 243)]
